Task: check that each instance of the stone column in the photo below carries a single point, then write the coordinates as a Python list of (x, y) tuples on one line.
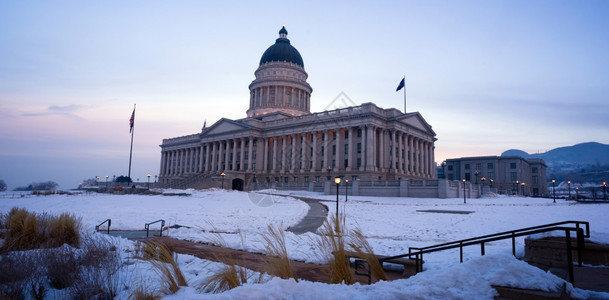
[(250, 151), (368, 153), (294, 149), (221, 156), (284, 154), (350, 149), (274, 163), (265, 155), (314, 156), (326, 150), (338, 149)]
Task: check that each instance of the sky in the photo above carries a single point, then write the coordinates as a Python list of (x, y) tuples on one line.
[(488, 76)]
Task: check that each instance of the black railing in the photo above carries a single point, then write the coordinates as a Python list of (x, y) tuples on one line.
[(148, 227), (102, 223), (417, 252)]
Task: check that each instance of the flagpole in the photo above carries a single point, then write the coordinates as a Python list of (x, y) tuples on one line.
[(404, 94), (131, 148)]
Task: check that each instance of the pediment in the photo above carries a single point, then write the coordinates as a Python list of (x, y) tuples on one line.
[(224, 126), (417, 121)]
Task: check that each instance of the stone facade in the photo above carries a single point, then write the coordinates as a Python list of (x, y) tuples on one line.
[(280, 141)]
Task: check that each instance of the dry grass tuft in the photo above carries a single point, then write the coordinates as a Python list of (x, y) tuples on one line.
[(143, 293), (360, 245), (332, 246), (229, 277), (161, 257), (276, 250), (28, 230)]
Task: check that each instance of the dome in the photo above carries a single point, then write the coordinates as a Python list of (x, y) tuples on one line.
[(282, 51)]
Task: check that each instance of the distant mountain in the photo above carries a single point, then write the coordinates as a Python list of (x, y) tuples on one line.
[(570, 159)]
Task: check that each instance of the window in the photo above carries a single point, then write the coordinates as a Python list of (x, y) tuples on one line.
[(359, 162), (306, 179), (359, 133), (478, 166), (512, 165), (534, 171), (450, 167), (322, 150), (467, 166), (359, 147), (346, 148), (346, 163), (333, 149), (346, 134), (467, 177), (490, 166), (246, 155), (317, 178), (254, 154), (513, 176)]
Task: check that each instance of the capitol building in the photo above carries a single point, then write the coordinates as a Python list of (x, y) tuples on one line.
[(281, 143)]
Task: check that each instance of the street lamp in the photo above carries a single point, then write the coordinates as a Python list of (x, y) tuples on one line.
[(155, 176), (476, 174), (337, 181), (604, 185), (516, 187), (483, 179), (148, 180), (464, 201), (107, 181), (346, 191), (523, 184), (554, 190), (97, 180), (492, 182), (569, 183), (576, 193), (222, 174)]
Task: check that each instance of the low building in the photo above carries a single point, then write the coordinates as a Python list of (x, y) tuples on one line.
[(509, 175)]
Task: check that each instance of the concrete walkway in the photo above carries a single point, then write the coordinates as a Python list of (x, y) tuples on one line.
[(315, 218)]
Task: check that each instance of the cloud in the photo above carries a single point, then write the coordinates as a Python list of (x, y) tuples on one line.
[(68, 111)]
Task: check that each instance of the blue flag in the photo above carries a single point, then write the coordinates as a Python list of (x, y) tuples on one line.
[(401, 85)]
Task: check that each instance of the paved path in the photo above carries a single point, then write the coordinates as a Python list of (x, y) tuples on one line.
[(314, 219)]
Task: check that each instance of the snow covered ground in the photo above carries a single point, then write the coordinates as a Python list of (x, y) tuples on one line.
[(390, 224)]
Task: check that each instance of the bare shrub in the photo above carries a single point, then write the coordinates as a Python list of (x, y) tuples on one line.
[(62, 266), (276, 250), (98, 274), (143, 293)]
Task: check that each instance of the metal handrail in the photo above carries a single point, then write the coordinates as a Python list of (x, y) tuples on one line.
[(580, 234), (147, 226), (102, 223)]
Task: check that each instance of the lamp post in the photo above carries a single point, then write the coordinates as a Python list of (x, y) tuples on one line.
[(337, 181), (569, 183), (492, 182), (155, 176), (464, 201), (554, 190), (222, 174), (97, 180), (107, 181), (346, 191), (483, 179), (148, 180), (576, 193), (516, 187), (523, 184), (476, 175), (604, 185)]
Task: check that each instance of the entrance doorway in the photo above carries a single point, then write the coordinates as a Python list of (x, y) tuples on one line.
[(237, 184)]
